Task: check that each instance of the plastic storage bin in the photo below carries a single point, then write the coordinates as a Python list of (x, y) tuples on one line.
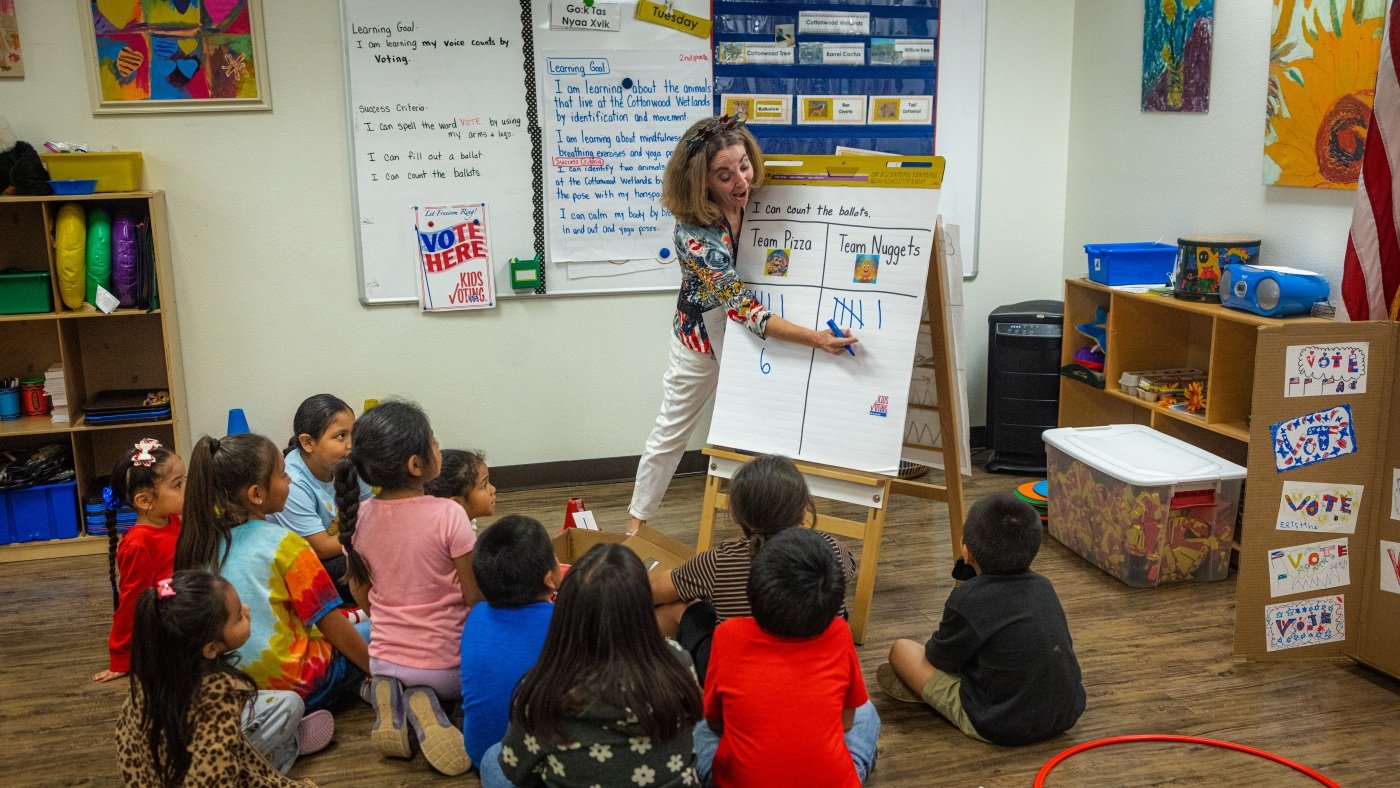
[(1141, 505), (118, 171), (1129, 264), (48, 511), (25, 293)]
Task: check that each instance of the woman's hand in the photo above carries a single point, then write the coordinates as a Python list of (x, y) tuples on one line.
[(108, 675), (829, 342)]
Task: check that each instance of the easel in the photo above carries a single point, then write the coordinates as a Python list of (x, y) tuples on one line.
[(871, 490)]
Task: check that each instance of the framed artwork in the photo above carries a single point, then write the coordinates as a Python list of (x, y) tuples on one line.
[(11, 64), (1323, 58), (1176, 43), (175, 55)]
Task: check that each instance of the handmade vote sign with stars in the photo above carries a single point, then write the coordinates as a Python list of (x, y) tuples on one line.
[(1305, 440)]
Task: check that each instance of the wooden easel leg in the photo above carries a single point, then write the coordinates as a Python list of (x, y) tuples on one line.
[(954, 485), (869, 564), (707, 513)]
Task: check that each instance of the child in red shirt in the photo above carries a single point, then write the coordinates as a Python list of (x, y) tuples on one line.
[(150, 479), (785, 703)]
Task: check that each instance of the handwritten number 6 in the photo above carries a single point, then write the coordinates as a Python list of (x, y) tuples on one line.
[(763, 367)]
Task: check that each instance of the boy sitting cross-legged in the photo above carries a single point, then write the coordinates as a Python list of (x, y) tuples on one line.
[(1001, 666), (785, 703), (516, 570)]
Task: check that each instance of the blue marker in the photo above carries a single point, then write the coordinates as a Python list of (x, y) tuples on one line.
[(831, 324)]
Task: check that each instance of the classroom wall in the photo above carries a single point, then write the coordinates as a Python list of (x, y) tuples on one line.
[(261, 234), (1025, 140), (1136, 176)]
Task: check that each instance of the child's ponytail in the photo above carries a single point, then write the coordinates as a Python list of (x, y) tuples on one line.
[(769, 495), (112, 538), (347, 507), (220, 470), (172, 624)]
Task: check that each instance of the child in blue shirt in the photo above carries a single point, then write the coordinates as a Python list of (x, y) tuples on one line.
[(517, 572)]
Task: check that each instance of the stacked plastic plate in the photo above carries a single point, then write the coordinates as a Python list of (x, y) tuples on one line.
[(1036, 494)]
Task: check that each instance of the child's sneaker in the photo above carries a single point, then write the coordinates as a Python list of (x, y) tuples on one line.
[(314, 732), (893, 687), (390, 732), (440, 742)]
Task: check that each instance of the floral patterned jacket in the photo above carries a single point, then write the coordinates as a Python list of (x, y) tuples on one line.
[(708, 280)]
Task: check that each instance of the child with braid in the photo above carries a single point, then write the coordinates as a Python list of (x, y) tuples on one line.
[(409, 563), (150, 479)]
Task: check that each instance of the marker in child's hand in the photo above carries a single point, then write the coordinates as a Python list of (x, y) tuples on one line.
[(835, 331)]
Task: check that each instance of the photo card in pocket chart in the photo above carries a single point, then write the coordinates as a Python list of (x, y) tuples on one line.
[(1315, 370), (1309, 567), (1305, 622), (1326, 507), (1313, 438)]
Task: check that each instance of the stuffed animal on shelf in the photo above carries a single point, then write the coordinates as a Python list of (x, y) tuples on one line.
[(21, 169)]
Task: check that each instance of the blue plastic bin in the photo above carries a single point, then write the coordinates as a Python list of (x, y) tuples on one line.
[(1131, 264), (48, 511)]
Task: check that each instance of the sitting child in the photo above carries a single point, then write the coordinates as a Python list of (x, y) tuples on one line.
[(517, 573), (466, 479), (766, 496), (1001, 666), (785, 703)]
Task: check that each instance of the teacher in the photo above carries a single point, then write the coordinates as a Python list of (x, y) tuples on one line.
[(713, 172)]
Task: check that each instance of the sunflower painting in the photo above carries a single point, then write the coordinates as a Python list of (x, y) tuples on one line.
[(1176, 37), (1323, 57)]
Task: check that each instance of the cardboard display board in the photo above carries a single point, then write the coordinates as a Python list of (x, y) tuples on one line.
[(1318, 499)]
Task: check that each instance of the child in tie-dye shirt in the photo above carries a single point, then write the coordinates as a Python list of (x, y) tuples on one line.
[(298, 640)]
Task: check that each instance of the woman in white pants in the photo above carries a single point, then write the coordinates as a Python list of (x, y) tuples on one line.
[(712, 173)]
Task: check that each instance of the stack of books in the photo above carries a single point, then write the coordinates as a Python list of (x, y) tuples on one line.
[(57, 392)]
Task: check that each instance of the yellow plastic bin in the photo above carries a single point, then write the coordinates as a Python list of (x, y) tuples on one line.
[(118, 171)]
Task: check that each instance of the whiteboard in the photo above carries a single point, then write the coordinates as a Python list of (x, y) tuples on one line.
[(447, 122), (857, 255)]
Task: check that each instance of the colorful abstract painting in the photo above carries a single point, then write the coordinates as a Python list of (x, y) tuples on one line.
[(1176, 36), (11, 64), (1323, 57), (177, 54)]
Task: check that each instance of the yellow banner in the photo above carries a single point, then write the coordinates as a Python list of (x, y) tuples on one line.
[(900, 172), (657, 14)]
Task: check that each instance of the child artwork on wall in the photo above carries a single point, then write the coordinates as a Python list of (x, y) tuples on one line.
[(1390, 566), (1314, 370), (1309, 567), (1323, 59), (1176, 40), (1324, 507), (11, 64), (1315, 437), (176, 55), (1305, 622)]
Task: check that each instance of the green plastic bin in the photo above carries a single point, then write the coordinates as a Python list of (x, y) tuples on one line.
[(25, 293)]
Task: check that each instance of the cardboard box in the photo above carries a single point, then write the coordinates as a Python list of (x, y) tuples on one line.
[(658, 551)]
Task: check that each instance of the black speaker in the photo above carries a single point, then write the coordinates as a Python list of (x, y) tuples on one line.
[(1023, 383)]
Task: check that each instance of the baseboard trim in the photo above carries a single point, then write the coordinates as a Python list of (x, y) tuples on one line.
[(600, 470)]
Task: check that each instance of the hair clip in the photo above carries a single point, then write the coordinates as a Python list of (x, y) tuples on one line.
[(712, 127), (164, 589), (143, 454), (213, 445), (110, 500)]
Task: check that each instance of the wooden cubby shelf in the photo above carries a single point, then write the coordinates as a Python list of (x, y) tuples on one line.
[(1150, 331), (126, 349)]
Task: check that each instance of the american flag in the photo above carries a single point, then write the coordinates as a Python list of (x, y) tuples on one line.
[(1371, 272)]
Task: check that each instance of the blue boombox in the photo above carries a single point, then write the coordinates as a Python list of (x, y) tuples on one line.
[(1271, 292)]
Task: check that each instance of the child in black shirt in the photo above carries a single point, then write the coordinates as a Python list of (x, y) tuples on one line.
[(1001, 666)]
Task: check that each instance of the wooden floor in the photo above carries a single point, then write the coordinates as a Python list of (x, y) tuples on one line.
[(1154, 661)]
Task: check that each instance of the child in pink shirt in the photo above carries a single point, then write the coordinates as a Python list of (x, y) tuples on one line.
[(409, 564)]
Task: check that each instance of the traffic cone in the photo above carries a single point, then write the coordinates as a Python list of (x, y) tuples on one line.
[(237, 422), (574, 505)]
